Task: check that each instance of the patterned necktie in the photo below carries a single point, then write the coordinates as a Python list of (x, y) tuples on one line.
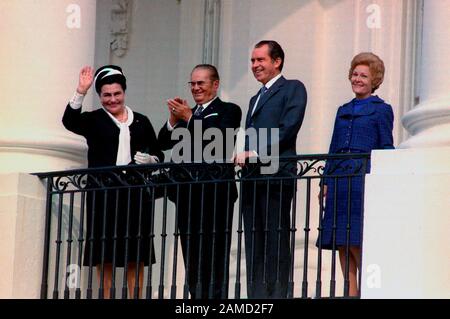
[(199, 110), (261, 93)]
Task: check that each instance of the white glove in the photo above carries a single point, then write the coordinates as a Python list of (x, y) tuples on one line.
[(144, 158)]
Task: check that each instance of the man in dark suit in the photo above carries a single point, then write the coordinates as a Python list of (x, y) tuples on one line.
[(205, 211), (275, 116)]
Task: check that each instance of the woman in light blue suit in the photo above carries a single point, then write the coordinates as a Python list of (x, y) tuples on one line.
[(362, 125)]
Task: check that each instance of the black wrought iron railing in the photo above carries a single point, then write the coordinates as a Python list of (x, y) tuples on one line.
[(198, 230)]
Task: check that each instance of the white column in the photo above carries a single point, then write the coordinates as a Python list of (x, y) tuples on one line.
[(44, 45), (429, 122), (22, 229), (410, 259)]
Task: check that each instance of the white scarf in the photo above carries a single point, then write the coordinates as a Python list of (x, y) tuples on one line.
[(124, 150)]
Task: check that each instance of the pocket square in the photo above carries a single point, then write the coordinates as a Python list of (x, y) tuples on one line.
[(212, 114)]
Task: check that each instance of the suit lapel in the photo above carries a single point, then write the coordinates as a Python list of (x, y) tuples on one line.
[(212, 108), (270, 92), (252, 104), (105, 117)]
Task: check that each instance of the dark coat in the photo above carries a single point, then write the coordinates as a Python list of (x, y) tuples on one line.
[(102, 137)]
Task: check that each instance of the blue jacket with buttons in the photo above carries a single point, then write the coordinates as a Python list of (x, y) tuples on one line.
[(365, 128), (362, 128)]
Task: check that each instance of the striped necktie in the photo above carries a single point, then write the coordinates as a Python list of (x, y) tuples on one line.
[(262, 91), (199, 110)]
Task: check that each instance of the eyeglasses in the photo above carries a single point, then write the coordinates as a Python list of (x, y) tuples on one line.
[(192, 84)]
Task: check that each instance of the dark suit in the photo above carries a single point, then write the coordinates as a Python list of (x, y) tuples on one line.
[(204, 223), (267, 218)]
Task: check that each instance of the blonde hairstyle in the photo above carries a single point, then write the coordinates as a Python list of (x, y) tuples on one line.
[(375, 64)]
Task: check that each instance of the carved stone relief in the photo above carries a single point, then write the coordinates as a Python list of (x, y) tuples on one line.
[(120, 21)]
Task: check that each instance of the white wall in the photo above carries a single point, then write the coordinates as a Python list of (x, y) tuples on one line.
[(406, 235)]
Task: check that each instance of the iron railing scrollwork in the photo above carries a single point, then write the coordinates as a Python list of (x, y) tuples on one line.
[(154, 194)]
